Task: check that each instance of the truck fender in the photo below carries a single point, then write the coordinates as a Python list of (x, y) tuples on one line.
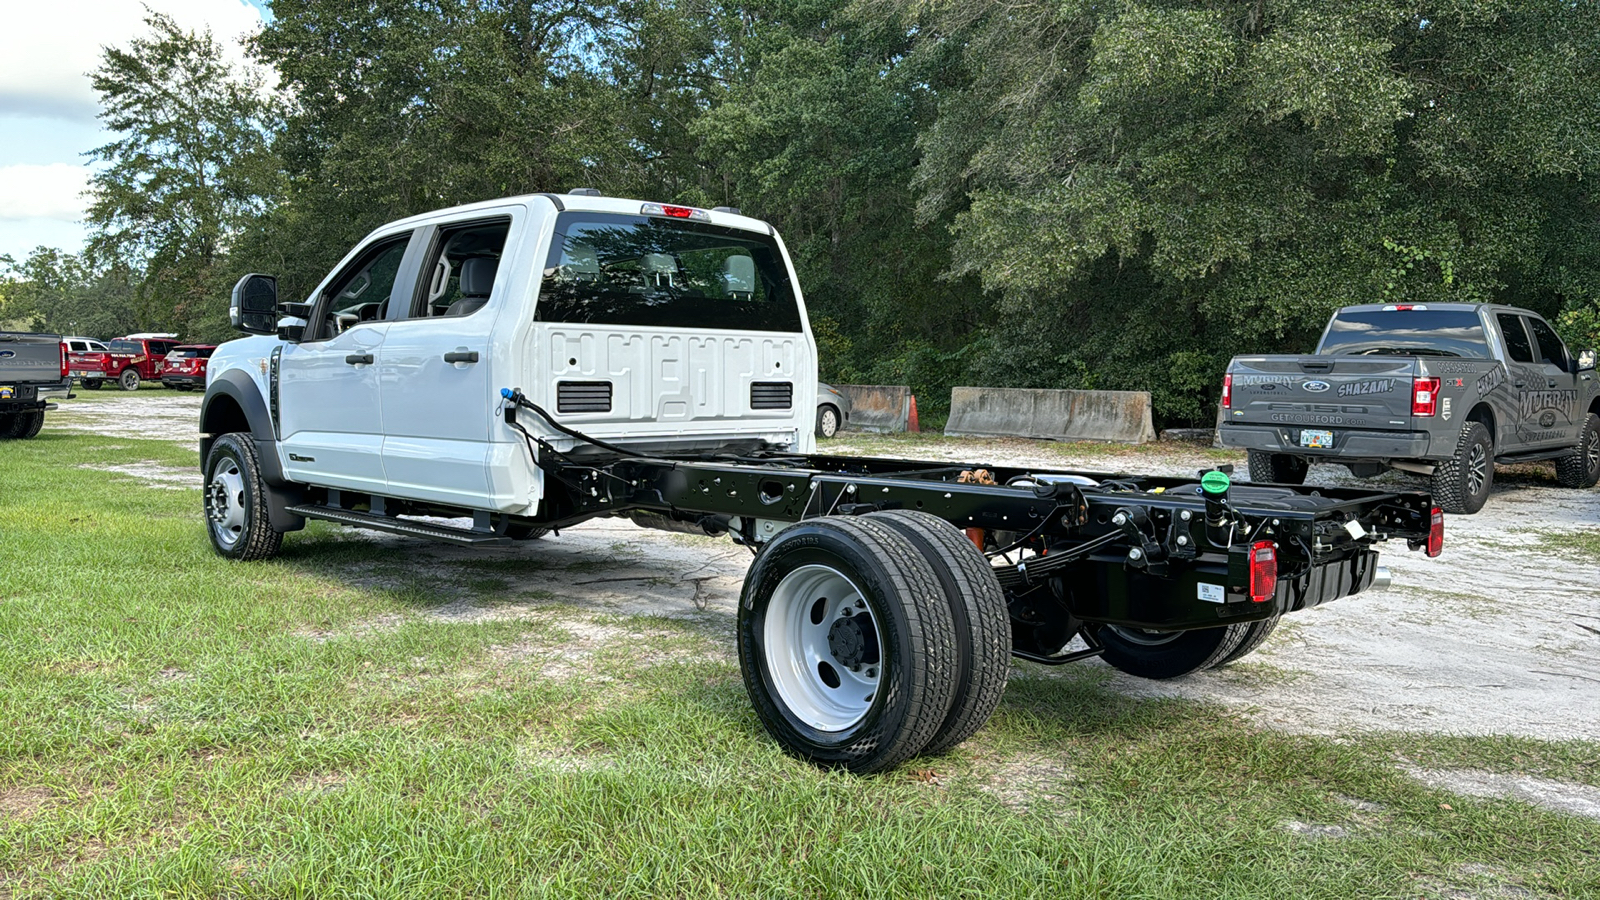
[(233, 403)]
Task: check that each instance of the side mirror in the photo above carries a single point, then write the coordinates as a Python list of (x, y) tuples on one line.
[(1586, 360), (253, 308)]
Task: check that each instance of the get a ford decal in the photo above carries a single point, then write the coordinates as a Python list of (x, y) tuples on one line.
[(1316, 387)]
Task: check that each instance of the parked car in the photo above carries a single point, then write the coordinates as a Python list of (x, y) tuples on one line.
[(33, 372), (833, 410), (1442, 390), (129, 361), (184, 368)]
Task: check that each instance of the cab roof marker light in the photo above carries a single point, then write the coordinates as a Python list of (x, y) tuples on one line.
[(674, 212), (1403, 307)]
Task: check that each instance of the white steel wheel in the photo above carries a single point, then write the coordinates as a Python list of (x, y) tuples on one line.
[(827, 422), (823, 648), (846, 644), (224, 498)]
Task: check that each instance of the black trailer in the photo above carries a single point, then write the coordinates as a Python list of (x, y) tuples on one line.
[(885, 596)]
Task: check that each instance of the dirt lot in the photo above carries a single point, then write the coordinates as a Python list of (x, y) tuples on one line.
[(1500, 635)]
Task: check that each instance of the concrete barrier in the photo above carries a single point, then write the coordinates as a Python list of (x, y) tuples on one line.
[(1122, 416), (878, 407)]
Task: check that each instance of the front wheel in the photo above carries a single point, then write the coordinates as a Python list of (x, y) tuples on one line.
[(1277, 468), (129, 379), (235, 500), (1582, 469), (1168, 654), (827, 422), (846, 644), (1461, 483), (93, 384)]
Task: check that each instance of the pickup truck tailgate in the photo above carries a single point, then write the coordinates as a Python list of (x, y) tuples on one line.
[(1371, 394), (30, 358)]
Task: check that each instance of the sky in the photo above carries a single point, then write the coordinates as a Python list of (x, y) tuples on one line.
[(48, 109)]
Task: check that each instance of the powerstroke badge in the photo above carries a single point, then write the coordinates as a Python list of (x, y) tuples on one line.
[(1362, 388)]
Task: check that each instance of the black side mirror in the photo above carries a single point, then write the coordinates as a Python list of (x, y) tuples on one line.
[(253, 308), (1586, 360)]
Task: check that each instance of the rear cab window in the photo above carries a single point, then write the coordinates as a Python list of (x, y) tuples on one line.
[(617, 269), (1417, 331)]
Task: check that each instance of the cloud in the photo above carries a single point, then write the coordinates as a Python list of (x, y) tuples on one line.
[(48, 48), (52, 191)]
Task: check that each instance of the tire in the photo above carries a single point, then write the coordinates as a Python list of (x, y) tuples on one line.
[(1582, 470), (1277, 468), (25, 425), (1461, 484), (827, 421), (1168, 654), (525, 532), (129, 379), (235, 498), (92, 384), (1254, 634), (978, 614), (870, 690)]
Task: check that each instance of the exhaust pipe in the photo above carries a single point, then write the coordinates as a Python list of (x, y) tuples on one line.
[(1381, 579)]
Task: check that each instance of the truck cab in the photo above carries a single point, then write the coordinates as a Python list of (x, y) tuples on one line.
[(653, 326)]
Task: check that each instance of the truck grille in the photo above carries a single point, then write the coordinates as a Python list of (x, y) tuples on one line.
[(771, 395), (583, 396)]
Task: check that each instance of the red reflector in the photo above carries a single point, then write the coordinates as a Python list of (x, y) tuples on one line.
[(1263, 571), (678, 212), (1227, 391), (1436, 532), (1424, 396)]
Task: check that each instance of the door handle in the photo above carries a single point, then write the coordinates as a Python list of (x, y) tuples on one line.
[(1550, 383), (1522, 384), (359, 359), (461, 356)]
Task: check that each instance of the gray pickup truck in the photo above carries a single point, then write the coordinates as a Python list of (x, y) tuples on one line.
[(1444, 390), (33, 371)]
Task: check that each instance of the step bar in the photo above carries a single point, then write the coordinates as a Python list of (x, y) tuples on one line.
[(470, 537)]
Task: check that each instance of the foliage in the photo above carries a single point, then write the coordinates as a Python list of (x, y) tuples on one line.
[(189, 167), (62, 293), (1049, 193)]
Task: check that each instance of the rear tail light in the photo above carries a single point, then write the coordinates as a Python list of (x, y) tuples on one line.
[(1263, 571), (64, 367), (1436, 532), (1424, 396), (1227, 391)]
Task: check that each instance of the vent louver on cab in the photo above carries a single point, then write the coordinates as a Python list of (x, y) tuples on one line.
[(771, 395), (583, 396)]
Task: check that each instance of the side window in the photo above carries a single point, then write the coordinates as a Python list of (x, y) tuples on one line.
[(1551, 350), (361, 292), (460, 272), (77, 346), (1517, 343)]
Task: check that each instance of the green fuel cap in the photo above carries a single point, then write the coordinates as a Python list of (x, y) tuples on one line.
[(1214, 482)]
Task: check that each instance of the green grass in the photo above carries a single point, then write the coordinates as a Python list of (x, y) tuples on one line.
[(1581, 542), (174, 725)]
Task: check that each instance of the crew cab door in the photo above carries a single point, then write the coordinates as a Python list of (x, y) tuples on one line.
[(434, 367), (331, 429), (1550, 405)]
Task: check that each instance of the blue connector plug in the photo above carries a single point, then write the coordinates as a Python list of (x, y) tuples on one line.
[(508, 393)]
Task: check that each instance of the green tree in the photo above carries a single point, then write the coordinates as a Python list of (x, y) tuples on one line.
[(1150, 186), (63, 293), (189, 168)]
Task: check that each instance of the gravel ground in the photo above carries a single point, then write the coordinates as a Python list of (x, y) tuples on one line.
[(1500, 635)]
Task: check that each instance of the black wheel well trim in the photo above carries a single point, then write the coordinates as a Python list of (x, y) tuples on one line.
[(236, 388), (1483, 414)]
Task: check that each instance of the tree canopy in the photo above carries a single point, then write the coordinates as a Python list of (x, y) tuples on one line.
[(1052, 193)]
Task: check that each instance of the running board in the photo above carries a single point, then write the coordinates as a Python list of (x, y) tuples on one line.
[(466, 536)]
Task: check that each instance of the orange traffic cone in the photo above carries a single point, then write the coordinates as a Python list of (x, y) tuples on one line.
[(913, 425)]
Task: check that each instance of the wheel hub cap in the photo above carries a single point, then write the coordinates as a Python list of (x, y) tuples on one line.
[(224, 500)]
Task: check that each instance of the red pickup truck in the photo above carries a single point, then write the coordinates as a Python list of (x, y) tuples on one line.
[(127, 360)]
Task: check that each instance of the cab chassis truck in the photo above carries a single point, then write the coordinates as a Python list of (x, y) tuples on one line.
[(884, 596)]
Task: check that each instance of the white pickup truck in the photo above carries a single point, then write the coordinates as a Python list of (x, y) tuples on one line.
[(531, 363)]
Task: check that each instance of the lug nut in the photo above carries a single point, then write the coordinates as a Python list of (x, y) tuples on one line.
[(1136, 554)]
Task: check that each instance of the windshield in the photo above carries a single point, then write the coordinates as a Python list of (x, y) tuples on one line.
[(640, 270), (1406, 332)]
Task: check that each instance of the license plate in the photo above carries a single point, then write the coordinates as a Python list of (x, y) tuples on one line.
[(1316, 439)]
